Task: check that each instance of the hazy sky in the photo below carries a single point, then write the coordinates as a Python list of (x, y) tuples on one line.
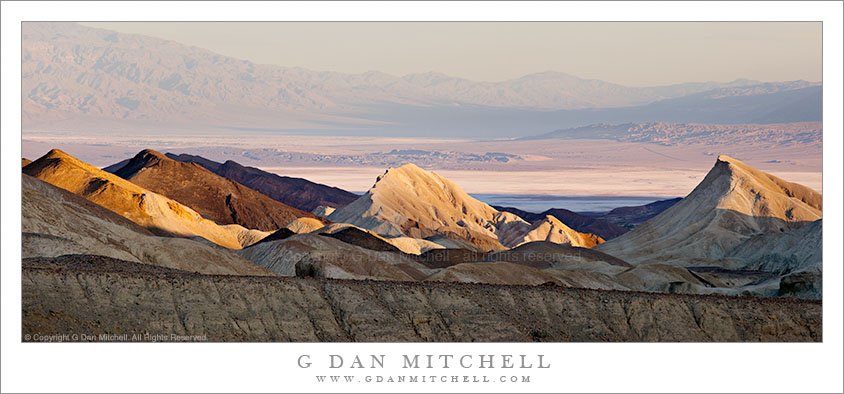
[(627, 53)]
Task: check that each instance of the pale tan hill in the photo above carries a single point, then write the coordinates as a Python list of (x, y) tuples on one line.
[(323, 211), (454, 243), (146, 208), (213, 196), (326, 257), (409, 201), (732, 204), (56, 222), (517, 274), (553, 230), (414, 246), (304, 225)]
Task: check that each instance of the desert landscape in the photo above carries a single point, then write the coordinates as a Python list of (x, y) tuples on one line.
[(743, 242), (169, 189)]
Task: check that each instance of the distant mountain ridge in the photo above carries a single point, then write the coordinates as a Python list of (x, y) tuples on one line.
[(72, 73), (669, 134)]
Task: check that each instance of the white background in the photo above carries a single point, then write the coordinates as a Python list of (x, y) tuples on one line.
[(597, 367)]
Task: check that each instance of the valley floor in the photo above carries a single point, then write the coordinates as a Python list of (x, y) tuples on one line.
[(555, 167), (95, 295)]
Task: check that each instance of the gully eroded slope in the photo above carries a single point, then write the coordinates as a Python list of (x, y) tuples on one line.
[(74, 294)]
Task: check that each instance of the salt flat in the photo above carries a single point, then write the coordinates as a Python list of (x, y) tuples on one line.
[(551, 166), (592, 182)]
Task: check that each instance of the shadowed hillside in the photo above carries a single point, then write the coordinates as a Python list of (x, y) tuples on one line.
[(144, 207), (296, 192), (214, 197), (733, 203), (56, 222), (581, 223)]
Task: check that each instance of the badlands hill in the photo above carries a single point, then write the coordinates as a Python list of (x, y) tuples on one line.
[(144, 207), (323, 211), (733, 204), (501, 273), (409, 201), (295, 192), (214, 197), (353, 235), (780, 252), (544, 254), (552, 230), (540, 263), (56, 222), (581, 223), (323, 256)]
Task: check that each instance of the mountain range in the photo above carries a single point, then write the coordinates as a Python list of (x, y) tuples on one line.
[(74, 76), (672, 134)]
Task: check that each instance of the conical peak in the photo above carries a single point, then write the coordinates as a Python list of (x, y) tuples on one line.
[(731, 177), (553, 221), (730, 167), (149, 154), (144, 159), (57, 153), (407, 168), (724, 159), (406, 171), (728, 159)]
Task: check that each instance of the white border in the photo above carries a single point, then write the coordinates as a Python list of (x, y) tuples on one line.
[(271, 367)]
